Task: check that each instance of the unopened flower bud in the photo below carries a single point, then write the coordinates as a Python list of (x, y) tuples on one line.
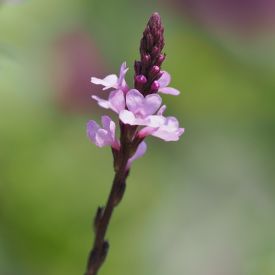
[(154, 71), (151, 45), (155, 51), (137, 67), (160, 59), (140, 80), (149, 41), (154, 86), (145, 58)]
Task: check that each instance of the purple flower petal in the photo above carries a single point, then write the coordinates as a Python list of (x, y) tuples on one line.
[(121, 79), (117, 101), (134, 100), (169, 91), (103, 136), (161, 110), (169, 131), (92, 128), (127, 117), (108, 82), (141, 150), (102, 102), (142, 106), (154, 121), (107, 123), (113, 81), (168, 136), (151, 104), (164, 80)]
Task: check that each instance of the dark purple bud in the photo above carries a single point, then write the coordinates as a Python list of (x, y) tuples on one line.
[(154, 86), (156, 29), (145, 59), (150, 41), (155, 51), (146, 31), (140, 80), (154, 71), (137, 67), (151, 57), (160, 59), (143, 45), (154, 22)]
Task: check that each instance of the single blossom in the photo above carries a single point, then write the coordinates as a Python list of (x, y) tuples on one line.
[(168, 131), (115, 102), (113, 81), (141, 150), (163, 82), (141, 109), (103, 136)]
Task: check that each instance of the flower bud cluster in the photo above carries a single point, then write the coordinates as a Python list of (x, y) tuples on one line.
[(151, 56), (139, 110)]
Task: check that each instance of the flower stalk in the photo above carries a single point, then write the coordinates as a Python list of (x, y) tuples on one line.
[(140, 114), (102, 219)]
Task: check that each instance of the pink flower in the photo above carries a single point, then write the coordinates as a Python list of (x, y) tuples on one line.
[(103, 136), (163, 82), (168, 131), (141, 150), (141, 109), (115, 102), (113, 81), (116, 99)]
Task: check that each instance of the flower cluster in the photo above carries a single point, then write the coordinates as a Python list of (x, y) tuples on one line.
[(140, 110)]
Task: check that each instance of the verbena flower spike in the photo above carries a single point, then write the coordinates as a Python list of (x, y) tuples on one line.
[(139, 113)]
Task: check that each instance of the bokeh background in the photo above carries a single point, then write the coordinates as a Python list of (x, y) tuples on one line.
[(202, 206)]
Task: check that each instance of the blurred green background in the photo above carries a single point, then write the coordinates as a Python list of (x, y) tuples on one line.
[(202, 206)]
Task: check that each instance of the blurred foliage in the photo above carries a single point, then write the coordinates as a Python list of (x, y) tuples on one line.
[(204, 205)]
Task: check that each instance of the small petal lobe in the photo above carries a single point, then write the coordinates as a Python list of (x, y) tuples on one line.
[(164, 80), (127, 117), (141, 150), (169, 91), (134, 100), (108, 82), (117, 100)]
